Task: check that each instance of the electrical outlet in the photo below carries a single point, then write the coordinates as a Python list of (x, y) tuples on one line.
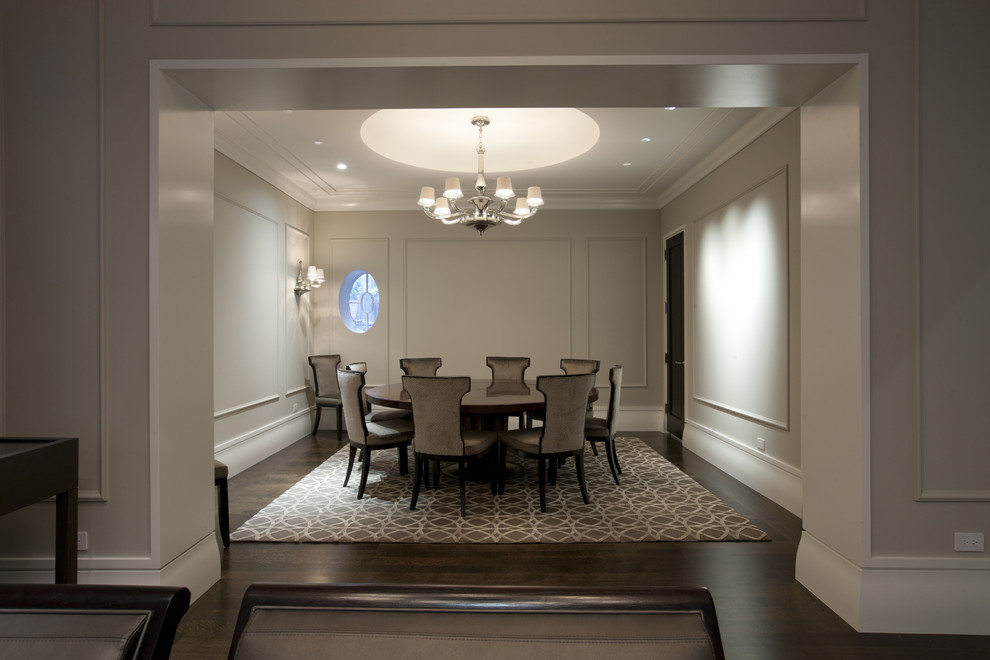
[(968, 542), (82, 541), (761, 444), (295, 407)]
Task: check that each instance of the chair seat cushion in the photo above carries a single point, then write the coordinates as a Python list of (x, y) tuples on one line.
[(387, 415), (389, 431), (596, 432), (525, 440), (477, 442), (220, 470), (328, 401), (594, 421)]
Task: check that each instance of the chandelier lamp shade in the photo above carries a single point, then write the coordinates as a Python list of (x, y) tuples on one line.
[(480, 211)]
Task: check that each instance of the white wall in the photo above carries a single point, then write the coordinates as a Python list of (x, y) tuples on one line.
[(556, 286), (742, 231), (91, 66), (261, 340)]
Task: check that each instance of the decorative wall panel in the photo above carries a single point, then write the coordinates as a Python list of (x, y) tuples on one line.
[(617, 307), (740, 344)]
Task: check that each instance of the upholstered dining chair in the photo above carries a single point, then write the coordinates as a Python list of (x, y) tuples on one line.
[(568, 366), (325, 388), (369, 436), (436, 404), (508, 369), (561, 435), (420, 366), (601, 430), (376, 415)]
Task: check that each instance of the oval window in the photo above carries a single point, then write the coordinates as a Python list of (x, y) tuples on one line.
[(359, 301)]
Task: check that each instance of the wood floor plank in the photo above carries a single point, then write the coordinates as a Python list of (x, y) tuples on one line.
[(762, 611)]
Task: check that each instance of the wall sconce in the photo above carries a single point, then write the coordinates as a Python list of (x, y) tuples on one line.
[(312, 280)]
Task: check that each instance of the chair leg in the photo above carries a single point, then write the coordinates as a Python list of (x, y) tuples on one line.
[(579, 465), (223, 511), (543, 484), (493, 470), (502, 454), (461, 470), (436, 473), (417, 478), (615, 457), (350, 464), (365, 469), (340, 423), (316, 424), (612, 464), (403, 460)]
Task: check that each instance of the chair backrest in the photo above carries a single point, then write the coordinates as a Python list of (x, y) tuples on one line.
[(419, 366), (436, 406), (352, 403), (325, 374), (358, 366), (577, 366), (90, 621), (615, 390), (424, 622), (567, 407), (508, 368)]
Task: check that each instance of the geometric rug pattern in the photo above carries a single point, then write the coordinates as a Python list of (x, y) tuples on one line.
[(656, 502)]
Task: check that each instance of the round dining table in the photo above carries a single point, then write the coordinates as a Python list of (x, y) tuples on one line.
[(488, 398)]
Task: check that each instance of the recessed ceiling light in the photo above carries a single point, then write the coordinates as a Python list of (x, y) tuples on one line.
[(626, 164), (646, 139), (671, 107), (341, 166), (317, 142)]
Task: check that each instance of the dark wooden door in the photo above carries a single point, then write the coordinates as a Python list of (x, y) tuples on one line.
[(674, 260)]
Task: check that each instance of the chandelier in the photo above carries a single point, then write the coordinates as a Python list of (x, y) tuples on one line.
[(480, 211)]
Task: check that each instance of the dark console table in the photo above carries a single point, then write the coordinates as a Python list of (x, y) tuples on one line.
[(34, 469)]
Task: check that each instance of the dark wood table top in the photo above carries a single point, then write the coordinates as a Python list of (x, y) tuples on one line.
[(486, 397)]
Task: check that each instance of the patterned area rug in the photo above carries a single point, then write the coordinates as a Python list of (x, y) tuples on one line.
[(656, 502)]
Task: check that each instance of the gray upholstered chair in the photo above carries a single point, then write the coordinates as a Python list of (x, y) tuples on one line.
[(369, 436), (220, 473), (376, 415), (568, 366), (561, 435), (419, 366), (436, 404), (508, 369), (325, 388), (579, 366), (601, 430)]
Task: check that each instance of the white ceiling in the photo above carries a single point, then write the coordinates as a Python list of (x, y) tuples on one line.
[(720, 109), (620, 171)]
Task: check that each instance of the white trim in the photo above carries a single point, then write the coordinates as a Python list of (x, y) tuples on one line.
[(217, 414), (768, 476), (253, 447), (934, 601)]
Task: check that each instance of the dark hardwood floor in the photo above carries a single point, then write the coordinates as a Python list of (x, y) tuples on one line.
[(762, 611)]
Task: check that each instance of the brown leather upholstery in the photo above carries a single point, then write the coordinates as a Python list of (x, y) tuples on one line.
[(420, 622), (89, 622)]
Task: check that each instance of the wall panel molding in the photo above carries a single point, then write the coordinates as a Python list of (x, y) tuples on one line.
[(605, 283), (309, 12)]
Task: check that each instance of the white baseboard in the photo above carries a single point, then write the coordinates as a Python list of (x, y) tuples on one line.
[(251, 448), (935, 601), (636, 419), (772, 479), (197, 569)]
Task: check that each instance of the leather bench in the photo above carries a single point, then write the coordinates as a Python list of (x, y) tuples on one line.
[(416, 622)]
